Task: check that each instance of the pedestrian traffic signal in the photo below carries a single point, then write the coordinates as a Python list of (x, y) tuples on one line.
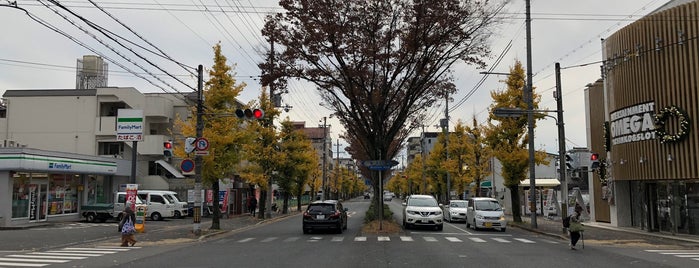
[(594, 161), (250, 113), (167, 148)]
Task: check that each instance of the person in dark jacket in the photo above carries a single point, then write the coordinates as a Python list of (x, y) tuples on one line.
[(127, 236), (576, 226), (253, 206)]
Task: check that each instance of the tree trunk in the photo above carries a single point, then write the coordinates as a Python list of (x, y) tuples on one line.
[(215, 223), (285, 207), (516, 212), (262, 204), (299, 194)]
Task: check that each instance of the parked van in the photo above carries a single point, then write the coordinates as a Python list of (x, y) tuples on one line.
[(484, 212), (181, 208), (158, 205), (120, 203)]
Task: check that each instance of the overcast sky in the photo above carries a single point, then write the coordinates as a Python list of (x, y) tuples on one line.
[(33, 56)]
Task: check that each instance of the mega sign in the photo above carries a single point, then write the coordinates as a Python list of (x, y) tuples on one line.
[(632, 124)]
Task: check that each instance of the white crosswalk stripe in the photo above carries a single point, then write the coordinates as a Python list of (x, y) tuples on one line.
[(453, 239), (41, 259), (693, 254), (383, 238)]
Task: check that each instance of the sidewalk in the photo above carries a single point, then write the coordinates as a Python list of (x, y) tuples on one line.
[(597, 230)]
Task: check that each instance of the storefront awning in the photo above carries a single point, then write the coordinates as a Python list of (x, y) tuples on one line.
[(541, 183), (170, 169)]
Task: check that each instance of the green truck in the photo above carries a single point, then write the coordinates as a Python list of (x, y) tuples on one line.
[(98, 212)]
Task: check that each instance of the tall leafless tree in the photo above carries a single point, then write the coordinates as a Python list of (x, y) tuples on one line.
[(377, 63)]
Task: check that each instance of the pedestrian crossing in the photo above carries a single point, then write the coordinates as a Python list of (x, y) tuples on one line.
[(77, 225), (337, 239), (45, 258), (689, 254)]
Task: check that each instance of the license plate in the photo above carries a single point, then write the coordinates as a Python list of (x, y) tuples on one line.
[(488, 224), (320, 217), (426, 220)]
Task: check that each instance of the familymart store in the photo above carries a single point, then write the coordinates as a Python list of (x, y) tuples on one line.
[(39, 186)]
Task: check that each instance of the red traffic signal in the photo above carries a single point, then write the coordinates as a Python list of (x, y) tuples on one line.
[(167, 148), (594, 157), (250, 113)]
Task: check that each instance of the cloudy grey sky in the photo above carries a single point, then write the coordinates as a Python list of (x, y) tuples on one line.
[(33, 56)]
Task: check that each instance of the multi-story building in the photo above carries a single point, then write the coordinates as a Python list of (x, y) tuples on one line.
[(641, 120), (82, 123)]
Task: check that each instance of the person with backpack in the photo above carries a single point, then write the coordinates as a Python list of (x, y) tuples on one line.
[(127, 226), (575, 226)]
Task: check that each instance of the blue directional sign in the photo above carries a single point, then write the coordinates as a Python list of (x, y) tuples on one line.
[(379, 164)]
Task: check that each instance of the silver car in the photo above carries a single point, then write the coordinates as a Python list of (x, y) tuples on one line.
[(455, 211)]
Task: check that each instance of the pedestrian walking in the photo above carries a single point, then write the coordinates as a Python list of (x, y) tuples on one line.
[(253, 206), (576, 227), (127, 227)]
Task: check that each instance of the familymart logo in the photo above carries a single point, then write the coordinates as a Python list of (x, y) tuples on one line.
[(61, 166)]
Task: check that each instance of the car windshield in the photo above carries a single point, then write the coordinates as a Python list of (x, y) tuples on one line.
[(488, 205), (422, 202), (457, 204), (321, 208)]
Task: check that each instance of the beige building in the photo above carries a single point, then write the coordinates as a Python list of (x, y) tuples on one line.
[(83, 123)]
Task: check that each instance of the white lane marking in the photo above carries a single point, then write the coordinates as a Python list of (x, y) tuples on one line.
[(33, 260), (523, 240), (292, 239), (476, 239), (47, 257), (246, 240), (406, 239), (270, 239), (360, 238), (430, 239), (14, 264), (338, 239), (501, 240), (383, 238), (453, 239)]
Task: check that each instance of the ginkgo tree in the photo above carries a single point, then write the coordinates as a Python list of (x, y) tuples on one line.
[(220, 127), (508, 137), (297, 164)]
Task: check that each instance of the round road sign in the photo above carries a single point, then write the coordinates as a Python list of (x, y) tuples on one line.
[(187, 165), (202, 144)]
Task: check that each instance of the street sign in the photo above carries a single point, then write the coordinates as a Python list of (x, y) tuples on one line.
[(379, 164), (129, 125), (187, 165), (202, 144)]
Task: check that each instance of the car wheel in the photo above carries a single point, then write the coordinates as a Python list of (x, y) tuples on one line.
[(156, 216), (440, 227), (178, 215), (91, 217)]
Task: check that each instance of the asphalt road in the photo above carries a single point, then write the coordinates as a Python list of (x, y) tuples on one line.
[(281, 243)]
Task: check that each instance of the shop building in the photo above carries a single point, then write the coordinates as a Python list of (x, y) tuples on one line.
[(647, 133), (38, 186)]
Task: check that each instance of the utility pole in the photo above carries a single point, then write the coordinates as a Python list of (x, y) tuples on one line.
[(529, 98), (337, 167), (197, 159), (422, 155), (561, 143), (270, 191), (446, 144), (325, 151)]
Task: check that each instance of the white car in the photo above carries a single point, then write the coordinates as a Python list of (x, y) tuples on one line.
[(455, 211), (422, 211), (484, 212)]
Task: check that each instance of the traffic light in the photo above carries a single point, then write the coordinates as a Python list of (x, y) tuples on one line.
[(250, 113), (594, 161), (167, 148), (570, 162), (189, 144)]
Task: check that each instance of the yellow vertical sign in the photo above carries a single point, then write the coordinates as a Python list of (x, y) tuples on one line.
[(140, 218)]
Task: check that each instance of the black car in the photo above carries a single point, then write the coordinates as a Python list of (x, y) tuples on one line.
[(327, 215), (367, 196)]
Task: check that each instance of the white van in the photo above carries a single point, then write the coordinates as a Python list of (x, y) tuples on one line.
[(159, 205), (181, 208), (120, 203), (484, 212)]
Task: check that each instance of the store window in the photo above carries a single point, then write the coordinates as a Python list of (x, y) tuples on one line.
[(63, 194), (96, 190), (20, 196)]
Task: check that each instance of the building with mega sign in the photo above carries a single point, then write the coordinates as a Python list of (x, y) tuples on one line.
[(647, 133)]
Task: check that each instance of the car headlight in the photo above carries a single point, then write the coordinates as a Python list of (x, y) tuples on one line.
[(502, 218), (412, 212), (438, 213), (454, 213), (479, 216)]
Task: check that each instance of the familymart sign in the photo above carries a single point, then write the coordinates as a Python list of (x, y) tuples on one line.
[(129, 125)]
